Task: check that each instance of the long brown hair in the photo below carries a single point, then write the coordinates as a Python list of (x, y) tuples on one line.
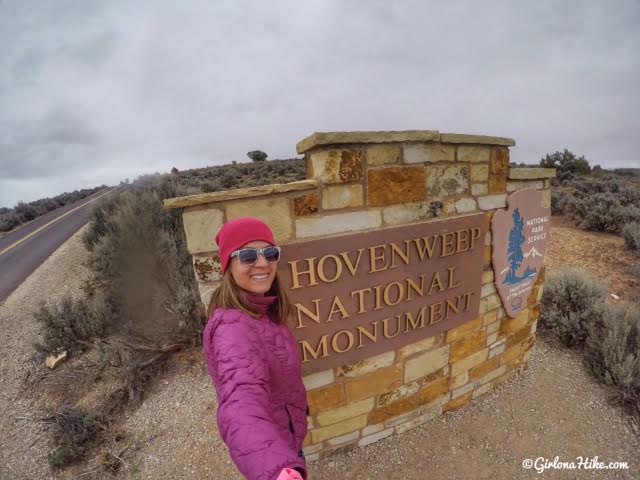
[(229, 295)]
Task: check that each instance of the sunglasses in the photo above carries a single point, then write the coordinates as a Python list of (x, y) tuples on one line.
[(249, 256)]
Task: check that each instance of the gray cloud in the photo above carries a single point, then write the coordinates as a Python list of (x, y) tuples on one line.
[(93, 93)]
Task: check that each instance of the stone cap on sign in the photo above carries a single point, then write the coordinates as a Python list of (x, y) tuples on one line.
[(214, 197), (318, 139), (531, 173)]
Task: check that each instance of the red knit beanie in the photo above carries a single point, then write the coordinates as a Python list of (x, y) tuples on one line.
[(237, 233)]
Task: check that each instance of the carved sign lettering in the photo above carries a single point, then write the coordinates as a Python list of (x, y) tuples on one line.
[(361, 294)]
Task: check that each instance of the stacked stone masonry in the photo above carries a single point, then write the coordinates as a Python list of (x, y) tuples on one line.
[(359, 181)]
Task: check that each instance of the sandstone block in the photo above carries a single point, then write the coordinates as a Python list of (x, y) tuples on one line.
[(514, 185), (486, 259), (463, 390), (207, 267), (497, 183), (468, 153), (491, 202), (462, 330), (318, 139), (459, 380), (465, 205), (531, 173), (487, 276), (206, 292), (369, 439), (483, 389), (489, 303), (425, 416), (457, 402), (306, 204), (421, 346), (433, 390), (484, 368), (344, 439), (480, 172), (390, 185), (367, 365), (468, 345), (487, 289), (491, 338), (206, 199), (510, 325), (426, 363), (274, 212), (447, 179), (201, 227), (382, 381), (478, 189), (493, 327), (469, 362), (494, 374), (546, 199), (491, 317), (337, 166), (318, 379), (337, 223), (497, 350), (370, 429), (383, 154), (406, 213), (343, 413), (326, 398), (476, 139), (499, 160), (342, 196), (428, 153), (337, 429)]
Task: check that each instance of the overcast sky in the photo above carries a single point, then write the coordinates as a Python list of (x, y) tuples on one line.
[(95, 92)]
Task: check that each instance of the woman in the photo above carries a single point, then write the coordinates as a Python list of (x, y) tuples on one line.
[(253, 357)]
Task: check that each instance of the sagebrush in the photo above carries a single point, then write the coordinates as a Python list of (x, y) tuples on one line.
[(571, 299)]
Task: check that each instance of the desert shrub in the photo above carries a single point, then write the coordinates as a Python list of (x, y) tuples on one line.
[(257, 155), (25, 212), (571, 300), (139, 255), (68, 324), (8, 221), (73, 431), (612, 352), (559, 199), (631, 235), (566, 163), (603, 212)]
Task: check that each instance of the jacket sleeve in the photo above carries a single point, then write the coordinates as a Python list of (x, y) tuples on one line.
[(241, 377)]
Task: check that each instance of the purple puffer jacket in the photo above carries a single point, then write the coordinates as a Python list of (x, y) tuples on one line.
[(262, 405)]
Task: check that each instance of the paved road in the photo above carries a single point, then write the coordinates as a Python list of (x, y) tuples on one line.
[(24, 249)]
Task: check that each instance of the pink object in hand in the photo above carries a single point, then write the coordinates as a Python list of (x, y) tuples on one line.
[(289, 474)]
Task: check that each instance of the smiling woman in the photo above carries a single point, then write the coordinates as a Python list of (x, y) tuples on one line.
[(253, 358)]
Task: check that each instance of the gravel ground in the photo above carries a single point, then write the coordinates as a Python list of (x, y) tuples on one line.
[(24, 441), (552, 408)]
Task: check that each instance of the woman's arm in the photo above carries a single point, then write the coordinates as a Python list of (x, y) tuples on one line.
[(241, 377)]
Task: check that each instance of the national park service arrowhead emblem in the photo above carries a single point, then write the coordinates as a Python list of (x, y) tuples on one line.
[(519, 240)]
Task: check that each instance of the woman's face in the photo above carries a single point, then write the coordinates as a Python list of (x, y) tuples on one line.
[(256, 278)]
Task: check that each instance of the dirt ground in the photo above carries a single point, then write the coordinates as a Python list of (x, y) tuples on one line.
[(552, 408), (601, 254)]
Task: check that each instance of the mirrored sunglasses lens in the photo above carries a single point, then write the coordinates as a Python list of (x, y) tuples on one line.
[(248, 255), (271, 254)]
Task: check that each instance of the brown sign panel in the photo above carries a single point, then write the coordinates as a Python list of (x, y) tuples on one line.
[(362, 294), (519, 238)]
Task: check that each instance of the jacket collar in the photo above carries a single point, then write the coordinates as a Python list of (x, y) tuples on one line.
[(259, 303)]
